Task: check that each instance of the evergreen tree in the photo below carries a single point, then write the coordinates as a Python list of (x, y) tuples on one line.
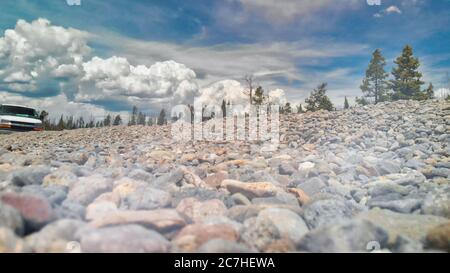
[(300, 109), (346, 105), (80, 123), (117, 120), (107, 120), (224, 108), (61, 125), (150, 121), (141, 118), (162, 117), (287, 109), (258, 97), (430, 92), (318, 100), (374, 84), (407, 79), (361, 101), (133, 118)]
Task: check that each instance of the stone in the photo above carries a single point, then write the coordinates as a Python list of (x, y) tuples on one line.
[(384, 167), (54, 237), (216, 179), (71, 210), (259, 234), (10, 243), (437, 204), (191, 237), (240, 199), (35, 210), (349, 236), (301, 196), (161, 220), (288, 223), (405, 205), (198, 211), (279, 198), (250, 190), (411, 226), (306, 166), (88, 188), (312, 186), (54, 194), (30, 175), (99, 209), (328, 212), (439, 237), (60, 178), (146, 199), (286, 169), (383, 188), (123, 239), (11, 218)]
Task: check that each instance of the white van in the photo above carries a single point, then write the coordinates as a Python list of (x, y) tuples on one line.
[(18, 118)]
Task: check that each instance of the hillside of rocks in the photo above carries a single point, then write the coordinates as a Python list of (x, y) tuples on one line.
[(372, 178)]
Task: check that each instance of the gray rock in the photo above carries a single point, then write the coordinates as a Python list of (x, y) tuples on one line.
[(123, 239), (440, 172), (407, 205), (350, 236), (383, 188), (326, 212), (10, 218), (71, 210), (88, 188), (312, 186), (29, 175), (54, 194), (280, 198), (259, 233), (240, 199), (146, 199), (286, 169), (201, 194), (10, 243), (437, 204), (387, 167)]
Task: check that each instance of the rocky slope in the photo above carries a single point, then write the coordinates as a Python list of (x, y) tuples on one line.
[(368, 178)]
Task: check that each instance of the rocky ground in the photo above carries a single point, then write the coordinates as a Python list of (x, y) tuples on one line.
[(368, 178)]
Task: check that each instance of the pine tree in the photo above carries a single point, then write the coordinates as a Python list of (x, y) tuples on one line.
[(61, 125), (107, 120), (374, 84), (407, 79), (141, 118), (224, 108), (287, 109), (258, 97), (300, 109), (318, 100), (117, 120), (162, 117), (430, 92), (346, 105), (133, 118)]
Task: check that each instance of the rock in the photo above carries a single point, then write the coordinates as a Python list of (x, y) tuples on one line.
[(286, 169), (383, 188), (439, 237), (191, 237), (198, 211), (201, 194), (240, 199), (288, 223), (411, 226), (60, 178), (216, 179), (250, 190), (312, 186), (306, 166), (35, 210), (301, 196), (88, 188), (9, 242), (54, 194), (31, 175), (10, 218), (260, 234), (161, 220), (70, 210), (384, 167), (279, 198), (54, 237), (123, 239), (98, 210), (146, 199), (349, 236), (406, 205), (437, 204), (223, 246), (328, 212)]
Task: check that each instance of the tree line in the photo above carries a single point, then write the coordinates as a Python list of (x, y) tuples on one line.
[(405, 84)]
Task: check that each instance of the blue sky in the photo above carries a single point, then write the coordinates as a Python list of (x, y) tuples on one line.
[(289, 44)]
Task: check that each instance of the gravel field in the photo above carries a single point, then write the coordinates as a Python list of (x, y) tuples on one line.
[(357, 180)]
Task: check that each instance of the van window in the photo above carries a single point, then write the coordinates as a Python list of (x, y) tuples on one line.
[(18, 111)]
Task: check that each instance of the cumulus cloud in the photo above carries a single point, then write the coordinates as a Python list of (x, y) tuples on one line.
[(34, 55), (387, 11)]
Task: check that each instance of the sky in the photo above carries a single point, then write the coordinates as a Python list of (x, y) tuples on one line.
[(102, 57)]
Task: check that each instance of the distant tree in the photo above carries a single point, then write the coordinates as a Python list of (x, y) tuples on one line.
[(300, 109), (61, 124), (318, 100), (407, 79), (224, 108), (162, 117), (150, 121), (361, 101), (346, 105), (133, 117), (141, 118), (107, 120), (374, 84), (429, 92), (258, 98), (249, 80), (80, 122), (287, 109), (117, 120)]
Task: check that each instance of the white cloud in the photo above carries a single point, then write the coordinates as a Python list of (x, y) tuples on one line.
[(389, 10)]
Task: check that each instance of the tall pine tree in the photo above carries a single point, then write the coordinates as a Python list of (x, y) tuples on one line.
[(318, 100), (346, 105), (407, 79), (374, 84)]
